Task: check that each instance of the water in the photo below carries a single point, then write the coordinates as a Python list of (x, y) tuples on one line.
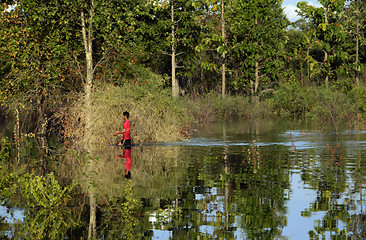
[(244, 180)]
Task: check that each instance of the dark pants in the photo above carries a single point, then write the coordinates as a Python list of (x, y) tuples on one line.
[(126, 143)]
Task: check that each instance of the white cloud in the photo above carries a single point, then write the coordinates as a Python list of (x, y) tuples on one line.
[(290, 12)]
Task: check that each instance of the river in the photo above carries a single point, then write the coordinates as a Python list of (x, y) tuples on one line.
[(256, 179)]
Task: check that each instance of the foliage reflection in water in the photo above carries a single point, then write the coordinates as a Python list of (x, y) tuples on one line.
[(249, 180)]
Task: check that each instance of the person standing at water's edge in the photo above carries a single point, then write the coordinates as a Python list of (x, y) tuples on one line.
[(126, 140)]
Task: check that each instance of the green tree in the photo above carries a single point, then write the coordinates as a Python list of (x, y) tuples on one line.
[(354, 18), (175, 33), (211, 45), (35, 48), (329, 34), (300, 64), (258, 36)]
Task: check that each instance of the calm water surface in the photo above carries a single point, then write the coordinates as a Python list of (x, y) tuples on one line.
[(247, 180), (266, 180)]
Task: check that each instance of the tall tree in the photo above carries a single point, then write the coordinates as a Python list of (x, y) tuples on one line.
[(257, 28), (211, 50), (300, 65), (175, 33), (223, 35), (354, 19), (175, 83), (329, 33), (357, 39)]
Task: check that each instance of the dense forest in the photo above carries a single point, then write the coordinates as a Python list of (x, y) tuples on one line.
[(51, 51), (70, 68)]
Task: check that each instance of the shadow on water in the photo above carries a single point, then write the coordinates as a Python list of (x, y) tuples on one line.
[(244, 180)]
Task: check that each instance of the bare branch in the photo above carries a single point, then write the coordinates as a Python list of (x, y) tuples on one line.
[(165, 53), (181, 67), (78, 65), (103, 59)]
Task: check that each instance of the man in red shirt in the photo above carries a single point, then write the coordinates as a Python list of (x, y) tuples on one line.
[(126, 140)]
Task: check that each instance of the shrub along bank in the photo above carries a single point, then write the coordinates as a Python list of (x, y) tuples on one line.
[(157, 117), (154, 115)]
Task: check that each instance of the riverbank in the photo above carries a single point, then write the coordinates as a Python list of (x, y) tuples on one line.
[(158, 117)]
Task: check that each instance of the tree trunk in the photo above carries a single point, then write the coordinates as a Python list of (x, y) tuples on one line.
[(357, 42), (223, 69), (308, 64), (251, 87), (325, 53), (87, 32), (256, 84), (327, 76), (17, 133), (92, 220), (302, 72), (41, 135), (175, 85)]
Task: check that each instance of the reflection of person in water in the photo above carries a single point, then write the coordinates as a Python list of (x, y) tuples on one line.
[(127, 156)]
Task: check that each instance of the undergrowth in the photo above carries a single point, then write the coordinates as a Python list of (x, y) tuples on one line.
[(156, 116), (213, 107)]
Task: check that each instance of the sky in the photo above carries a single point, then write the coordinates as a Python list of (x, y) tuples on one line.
[(290, 7)]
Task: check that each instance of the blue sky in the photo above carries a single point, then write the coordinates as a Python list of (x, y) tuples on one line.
[(290, 7)]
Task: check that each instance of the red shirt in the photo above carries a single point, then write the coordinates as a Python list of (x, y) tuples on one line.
[(127, 126)]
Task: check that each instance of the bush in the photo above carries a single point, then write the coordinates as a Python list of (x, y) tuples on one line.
[(318, 103), (357, 97), (4, 149), (291, 100), (155, 115), (212, 107)]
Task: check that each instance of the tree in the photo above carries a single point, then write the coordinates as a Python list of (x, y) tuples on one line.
[(354, 18), (175, 32), (33, 43), (223, 32), (212, 47), (49, 42), (257, 29), (329, 33)]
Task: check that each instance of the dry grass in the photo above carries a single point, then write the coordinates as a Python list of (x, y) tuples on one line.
[(154, 116), (151, 121)]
